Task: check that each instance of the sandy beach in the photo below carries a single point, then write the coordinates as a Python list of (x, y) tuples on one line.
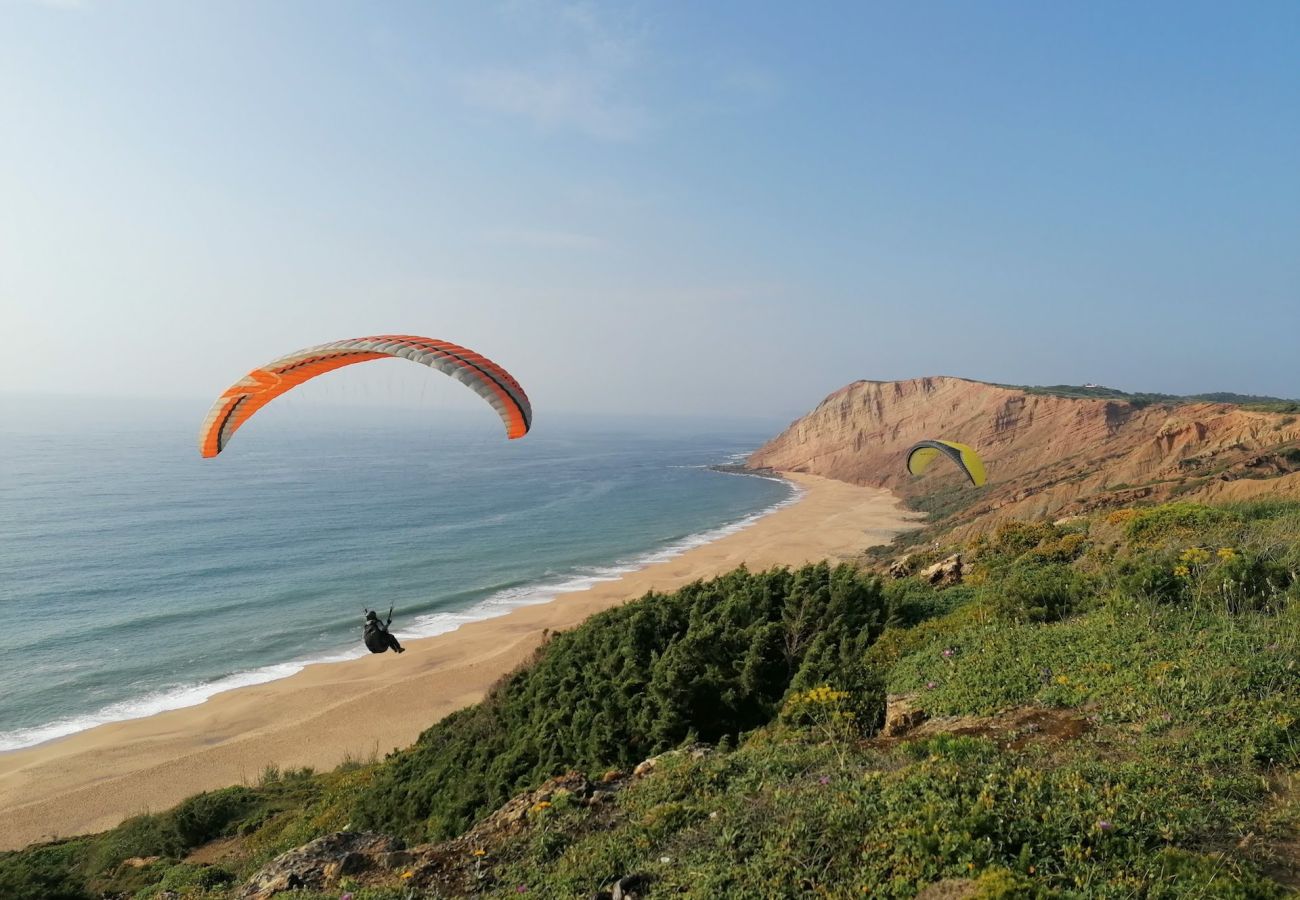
[(367, 707)]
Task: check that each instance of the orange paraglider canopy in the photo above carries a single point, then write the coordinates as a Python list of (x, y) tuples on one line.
[(262, 385)]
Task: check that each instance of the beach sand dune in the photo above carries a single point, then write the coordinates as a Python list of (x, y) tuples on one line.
[(361, 708)]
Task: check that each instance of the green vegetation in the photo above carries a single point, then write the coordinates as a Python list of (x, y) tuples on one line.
[(1254, 402), (707, 662), (1114, 705)]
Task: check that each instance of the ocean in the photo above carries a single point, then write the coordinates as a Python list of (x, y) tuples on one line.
[(137, 577)]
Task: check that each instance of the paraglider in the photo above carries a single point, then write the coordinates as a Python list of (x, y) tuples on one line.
[(377, 637), (262, 385), (921, 455)]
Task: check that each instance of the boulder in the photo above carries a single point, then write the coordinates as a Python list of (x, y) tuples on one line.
[(320, 864), (514, 812), (945, 572), (900, 567), (901, 715)]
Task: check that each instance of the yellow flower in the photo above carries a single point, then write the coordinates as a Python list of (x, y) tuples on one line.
[(1061, 679), (1227, 553), (1195, 556), (1182, 571), (408, 874), (480, 852)]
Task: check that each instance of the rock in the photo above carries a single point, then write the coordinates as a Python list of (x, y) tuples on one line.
[(945, 572), (514, 812), (901, 715), (694, 751), (629, 887), (611, 775), (901, 567), (319, 864), (398, 859)]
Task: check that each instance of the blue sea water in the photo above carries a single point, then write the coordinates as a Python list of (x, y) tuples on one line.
[(136, 577)]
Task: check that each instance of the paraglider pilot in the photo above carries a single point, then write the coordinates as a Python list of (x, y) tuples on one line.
[(377, 636)]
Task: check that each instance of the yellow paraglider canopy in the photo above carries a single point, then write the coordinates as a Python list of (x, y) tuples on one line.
[(924, 453)]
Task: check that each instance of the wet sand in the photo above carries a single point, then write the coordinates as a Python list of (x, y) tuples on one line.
[(363, 708)]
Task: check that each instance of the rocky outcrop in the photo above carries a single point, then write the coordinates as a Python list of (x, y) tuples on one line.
[(1046, 456), (944, 573), (319, 865), (463, 866)]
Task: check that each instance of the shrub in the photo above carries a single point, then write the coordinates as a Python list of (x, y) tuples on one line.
[(48, 873), (707, 662), (147, 835), (214, 814), (910, 601), (1067, 548), (1150, 578), (1013, 537), (1244, 581), (1036, 594), (1174, 521)]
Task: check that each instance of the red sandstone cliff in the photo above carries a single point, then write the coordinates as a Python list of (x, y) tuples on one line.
[(1046, 456)]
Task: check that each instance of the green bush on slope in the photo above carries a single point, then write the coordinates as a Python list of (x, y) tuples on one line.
[(712, 660)]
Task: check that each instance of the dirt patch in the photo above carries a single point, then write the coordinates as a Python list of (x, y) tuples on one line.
[(1013, 729), (949, 889), (220, 850)]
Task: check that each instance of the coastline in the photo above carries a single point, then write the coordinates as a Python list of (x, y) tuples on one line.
[(359, 708), (502, 602)]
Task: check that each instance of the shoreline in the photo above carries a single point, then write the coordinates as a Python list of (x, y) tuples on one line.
[(91, 780), (424, 626)]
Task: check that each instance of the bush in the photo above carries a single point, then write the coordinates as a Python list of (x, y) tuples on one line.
[(1245, 581), (1036, 594), (1182, 522), (710, 661), (1013, 538), (1150, 578), (211, 815), (910, 601), (44, 873), (147, 835)]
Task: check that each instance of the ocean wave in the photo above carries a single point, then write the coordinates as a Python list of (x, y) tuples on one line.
[(497, 604)]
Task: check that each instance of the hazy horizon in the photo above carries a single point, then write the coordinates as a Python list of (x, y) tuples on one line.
[(654, 209)]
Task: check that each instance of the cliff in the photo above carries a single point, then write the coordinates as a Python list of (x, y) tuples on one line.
[(1047, 456)]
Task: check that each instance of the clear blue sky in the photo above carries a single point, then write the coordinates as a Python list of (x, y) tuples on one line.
[(681, 208)]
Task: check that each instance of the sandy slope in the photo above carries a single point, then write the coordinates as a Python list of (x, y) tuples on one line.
[(328, 712)]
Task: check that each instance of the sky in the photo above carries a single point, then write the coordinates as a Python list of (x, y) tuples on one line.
[(715, 209)]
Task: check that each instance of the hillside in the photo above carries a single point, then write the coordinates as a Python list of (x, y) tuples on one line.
[(1048, 456), (1109, 708)]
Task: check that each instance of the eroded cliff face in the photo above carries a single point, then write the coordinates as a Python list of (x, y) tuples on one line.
[(1046, 456)]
